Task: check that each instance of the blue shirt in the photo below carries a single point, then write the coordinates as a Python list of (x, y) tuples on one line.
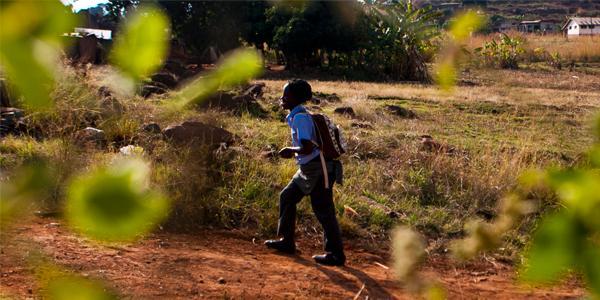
[(302, 128)]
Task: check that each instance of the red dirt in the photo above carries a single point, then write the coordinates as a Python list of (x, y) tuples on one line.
[(190, 266)]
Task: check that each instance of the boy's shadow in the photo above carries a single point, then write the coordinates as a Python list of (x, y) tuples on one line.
[(374, 289)]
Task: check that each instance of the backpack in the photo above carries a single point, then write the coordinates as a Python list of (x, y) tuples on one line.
[(329, 137)]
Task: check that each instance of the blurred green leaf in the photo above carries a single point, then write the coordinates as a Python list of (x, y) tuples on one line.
[(29, 39), (236, 68), (114, 203), (553, 249), (74, 288), (464, 24), (591, 265), (446, 75), (27, 185), (141, 46)]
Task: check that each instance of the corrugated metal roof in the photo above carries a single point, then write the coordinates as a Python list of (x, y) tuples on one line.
[(582, 21)]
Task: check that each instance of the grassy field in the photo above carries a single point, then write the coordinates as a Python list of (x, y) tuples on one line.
[(582, 50), (500, 123)]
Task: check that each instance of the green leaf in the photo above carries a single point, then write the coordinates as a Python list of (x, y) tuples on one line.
[(553, 250), (446, 74), (238, 67), (74, 288), (29, 40), (463, 25), (114, 203), (141, 46), (591, 266)]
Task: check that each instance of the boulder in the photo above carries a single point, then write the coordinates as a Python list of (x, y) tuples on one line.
[(11, 121), (329, 97), (90, 136), (151, 128), (255, 90), (110, 106), (400, 111), (431, 145), (4, 95), (198, 133), (165, 78), (362, 125), (233, 102), (346, 111), (175, 67), (104, 92), (149, 90)]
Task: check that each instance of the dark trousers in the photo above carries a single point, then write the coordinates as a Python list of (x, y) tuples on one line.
[(321, 200)]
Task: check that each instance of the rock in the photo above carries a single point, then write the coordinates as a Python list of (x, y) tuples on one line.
[(235, 103), (429, 144), (400, 111), (329, 97), (255, 90), (175, 67), (221, 280), (104, 91), (11, 121), (131, 150), (361, 125), (4, 93), (91, 135), (198, 133), (165, 78), (149, 90), (111, 106), (345, 110), (315, 100), (151, 128)]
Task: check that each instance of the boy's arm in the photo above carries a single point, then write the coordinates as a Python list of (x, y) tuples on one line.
[(304, 129), (306, 148)]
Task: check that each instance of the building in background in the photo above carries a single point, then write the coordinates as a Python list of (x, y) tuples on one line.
[(538, 26), (581, 26)]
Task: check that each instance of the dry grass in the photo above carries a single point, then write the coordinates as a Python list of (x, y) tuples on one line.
[(579, 49)]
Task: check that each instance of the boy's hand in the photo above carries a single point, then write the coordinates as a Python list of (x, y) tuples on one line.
[(286, 152)]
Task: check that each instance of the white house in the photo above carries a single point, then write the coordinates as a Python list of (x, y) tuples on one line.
[(582, 26), (99, 33)]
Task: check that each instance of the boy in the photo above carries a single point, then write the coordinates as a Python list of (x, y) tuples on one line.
[(309, 180)]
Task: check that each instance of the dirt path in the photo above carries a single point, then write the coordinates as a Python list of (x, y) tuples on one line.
[(190, 266)]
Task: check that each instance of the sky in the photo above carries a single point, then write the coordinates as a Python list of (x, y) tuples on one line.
[(83, 4)]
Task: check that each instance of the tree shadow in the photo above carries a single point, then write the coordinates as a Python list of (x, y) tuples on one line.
[(373, 288)]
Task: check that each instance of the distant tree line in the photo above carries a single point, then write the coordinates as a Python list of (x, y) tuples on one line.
[(389, 40)]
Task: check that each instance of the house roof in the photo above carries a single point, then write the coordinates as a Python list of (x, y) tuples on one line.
[(582, 21)]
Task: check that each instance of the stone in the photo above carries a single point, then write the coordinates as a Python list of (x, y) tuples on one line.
[(11, 121), (149, 90), (363, 125), (255, 90), (234, 103), (346, 111), (165, 78), (431, 145), (198, 133), (91, 135), (151, 128), (221, 280), (400, 111), (5, 99)]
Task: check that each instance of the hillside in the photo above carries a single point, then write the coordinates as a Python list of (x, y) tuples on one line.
[(534, 9)]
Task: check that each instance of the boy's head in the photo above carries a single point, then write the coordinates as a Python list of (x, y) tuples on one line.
[(295, 92)]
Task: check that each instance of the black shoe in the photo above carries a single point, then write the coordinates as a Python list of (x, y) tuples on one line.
[(281, 245), (329, 259)]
